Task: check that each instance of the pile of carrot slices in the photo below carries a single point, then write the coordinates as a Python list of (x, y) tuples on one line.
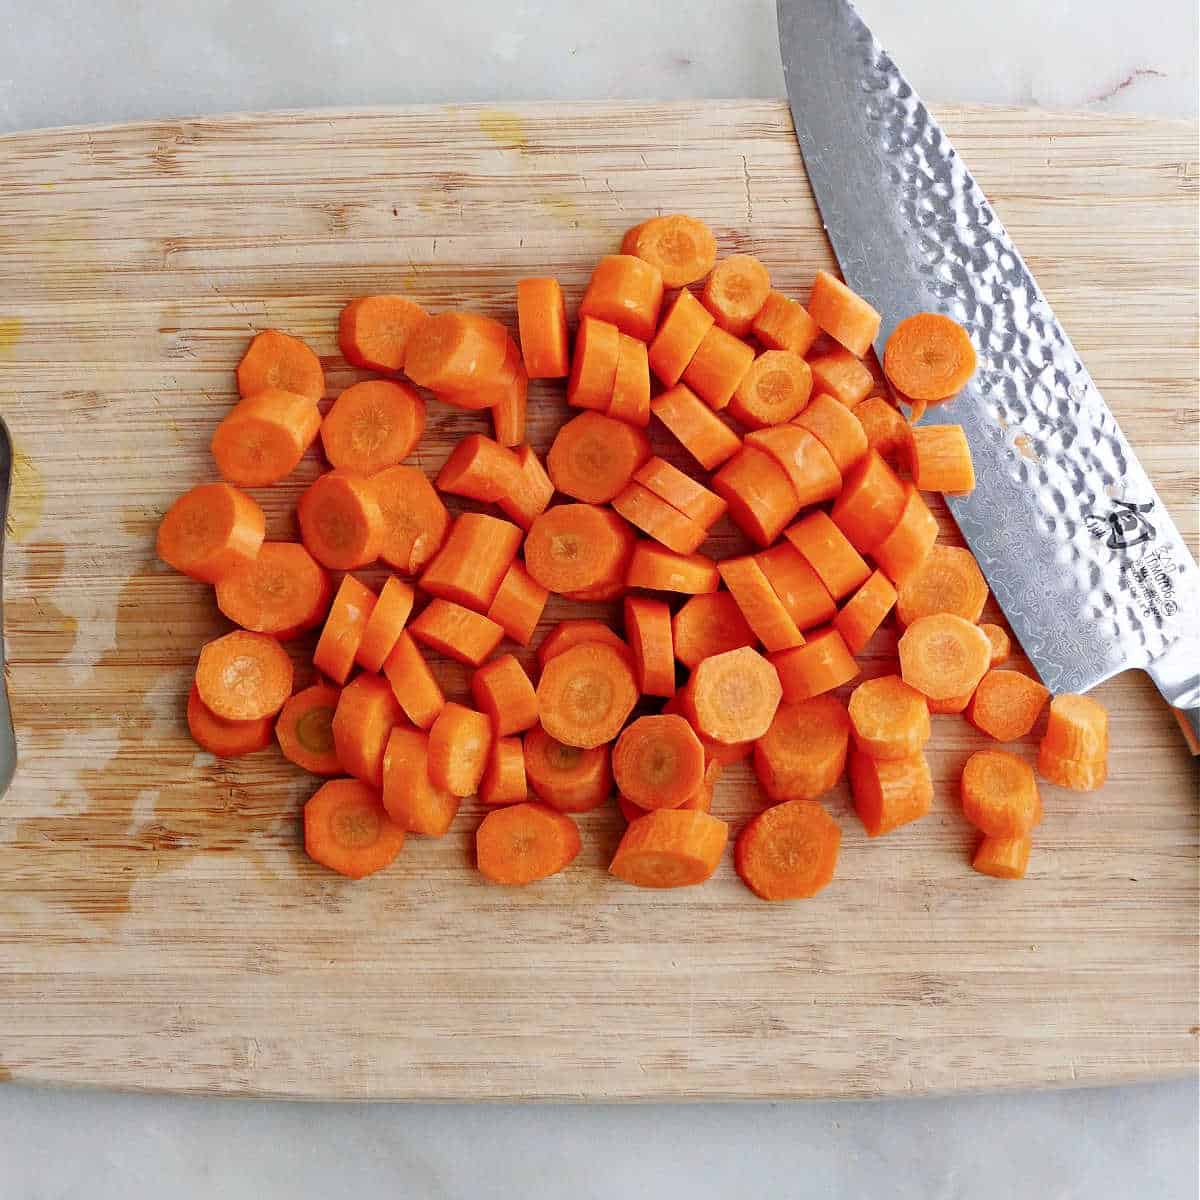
[(793, 437)]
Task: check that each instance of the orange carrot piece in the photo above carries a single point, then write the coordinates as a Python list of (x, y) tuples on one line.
[(718, 366), (339, 641), (1001, 643), (843, 314), (630, 400), (723, 753), (611, 586), (410, 797), (572, 632), (574, 546), (457, 632), (415, 520), (658, 569), (341, 522), (453, 353), (889, 792), (594, 364), (696, 427), (1000, 794), (763, 610), (658, 762), (836, 428), (678, 337), (347, 829), (1077, 728), (680, 491), (707, 625), (839, 374), (825, 548), (225, 739), (929, 357), (211, 531), (385, 624), (373, 425), (888, 433), (1077, 774), (949, 580), (304, 730), (568, 778), (889, 718), (283, 592), (522, 843), (627, 291), (365, 714), (531, 490), (799, 588), (823, 663), (783, 324), (670, 848), (654, 516), (759, 493), (542, 328), (732, 697), (263, 437), (905, 549), (1002, 858), (788, 852), (952, 704), (277, 361), (870, 503), (699, 801), (736, 291), (480, 469), (473, 560), (374, 331), (585, 694), (243, 676), (809, 466), (511, 405), (648, 632), (460, 741), (1007, 704), (775, 388), (942, 655), (504, 779), (864, 612), (519, 603), (942, 460), (508, 385), (413, 683), (502, 690), (681, 247), (803, 754), (594, 456)]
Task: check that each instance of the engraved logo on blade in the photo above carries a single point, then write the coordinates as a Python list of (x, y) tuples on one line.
[(1125, 526), (1150, 576)]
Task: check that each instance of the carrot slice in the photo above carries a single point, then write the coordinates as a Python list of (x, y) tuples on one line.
[(480, 469), (519, 603), (341, 522), (723, 753), (264, 436), (825, 548), (736, 291), (542, 328), (889, 718), (571, 633), (385, 624), (630, 400), (823, 663), (456, 352), (759, 493), (568, 778), (522, 843), (585, 694), (1077, 728), (870, 503), (502, 690), (699, 801), (410, 797), (707, 625), (460, 741), (373, 425), (836, 428), (283, 592), (783, 324), (718, 366), (809, 466), (942, 460), (697, 428), (504, 779), (654, 516), (943, 655), (658, 569), (473, 560), (366, 713), (531, 490), (225, 739), (277, 361), (627, 291), (648, 630), (347, 829), (929, 357), (611, 586), (1000, 794), (799, 588), (1001, 644), (763, 610), (374, 331), (803, 754), (510, 405), (574, 546), (775, 388), (594, 456), (457, 632), (889, 792), (670, 848), (888, 433), (732, 697), (680, 491), (788, 852), (843, 314), (864, 612), (1002, 858), (243, 676), (304, 730), (339, 641), (952, 704), (839, 374), (905, 549), (658, 762), (949, 580), (413, 683), (594, 365), (1077, 774), (415, 520), (1007, 704), (681, 247), (210, 531), (678, 337)]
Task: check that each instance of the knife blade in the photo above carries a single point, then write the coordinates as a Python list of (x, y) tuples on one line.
[(1079, 551), (8, 739)]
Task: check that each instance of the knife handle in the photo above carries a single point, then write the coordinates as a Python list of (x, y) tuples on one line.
[(1177, 675)]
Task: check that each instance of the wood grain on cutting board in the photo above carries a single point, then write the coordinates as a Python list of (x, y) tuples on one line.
[(159, 925)]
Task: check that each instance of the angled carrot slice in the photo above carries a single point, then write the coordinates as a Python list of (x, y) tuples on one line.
[(763, 610)]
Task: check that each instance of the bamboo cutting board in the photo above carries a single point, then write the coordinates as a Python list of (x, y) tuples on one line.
[(159, 925)]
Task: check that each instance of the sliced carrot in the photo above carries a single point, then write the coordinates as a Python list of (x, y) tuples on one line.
[(681, 247), (678, 338), (480, 469), (760, 605), (839, 374), (658, 569), (799, 588), (413, 683), (889, 792), (339, 641), (1001, 644), (522, 843), (697, 428), (1077, 728), (531, 490), (905, 549), (630, 400), (788, 852), (225, 739), (510, 406), (594, 456), (759, 493), (568, 778), (366, 713), (585, 694), (473, 560), (415, 520), (658, 762), (836, 428), (718, 366), (385, 624), (699, 801), (823, 663), (457, 632), (783, 324), (942, 460), (929, 357), (455, 352), (504, 779), (1000, 794), (542, 327), (304, 730), (519, 603), (680, 491), (803, 754), (809, 466), (735, 292), (410, 797), (460, 741), (654, 516), (648, 631), (732, 697), (210, 531), (347, 829), (670, 848), (707, 625), (277, 361), (775, 388), (1007, 704), (627, 291), (865, 611), (243, 676), (594, 364), (283, 592), (373, 425), (507, 386), (1002, 858), (723, 753), (825, 548), (611, 586), (374, 331), (951, 704), (264, 437), (870, 504), (575, 546), (843, 314), (341, 521), (1077, 774), (571, 633), (502, 690), (888, 433), (889, 718), (942, 655), (949, 580)]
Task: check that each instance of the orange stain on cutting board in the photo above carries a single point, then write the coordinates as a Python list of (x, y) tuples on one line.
[(27, 497), (10, 335), (504, 128)]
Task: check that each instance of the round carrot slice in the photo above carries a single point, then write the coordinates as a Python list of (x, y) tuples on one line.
[(305, 730), (773, 390), (374, 331), (626, 291), (788, 852), (264, 436), (670, 848), (415, 520), (735, 292), (225, 739), (803, 754), (709, 624), (733, 696), (890, 719), (1000, 794), (947, 581), (574, 546), (943, 655), (456, 351), (283, 592), (1007, 704), (929, 357), (347, 829), (683, 248), (585, 694), (243, 676), (522, 843), (658, 762), (340, 521), (277, 360), (594, 456), (373, 425), (568, 778), (210, 531)]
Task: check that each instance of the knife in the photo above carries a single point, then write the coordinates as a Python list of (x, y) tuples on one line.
[(1079, 550), (8, 739)]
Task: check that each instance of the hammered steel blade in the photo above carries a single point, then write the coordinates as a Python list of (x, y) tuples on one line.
[(1079, 550), (8, 739)]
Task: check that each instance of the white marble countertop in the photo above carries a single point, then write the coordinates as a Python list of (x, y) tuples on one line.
[(107, 60)]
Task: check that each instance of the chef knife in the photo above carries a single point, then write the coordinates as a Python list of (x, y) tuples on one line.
[(1079, 550), (8, 741)]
